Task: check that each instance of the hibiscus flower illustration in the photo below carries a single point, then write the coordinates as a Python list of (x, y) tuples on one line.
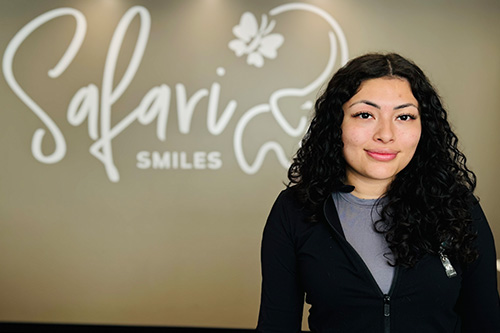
[(257, 42)]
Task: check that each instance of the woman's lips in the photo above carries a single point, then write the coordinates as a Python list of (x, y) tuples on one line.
[(382, 155)]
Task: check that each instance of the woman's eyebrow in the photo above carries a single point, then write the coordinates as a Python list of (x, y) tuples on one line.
[(364, 101), (402, 106)]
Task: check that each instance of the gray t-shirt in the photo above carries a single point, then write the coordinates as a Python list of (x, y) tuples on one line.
[(357, 217)]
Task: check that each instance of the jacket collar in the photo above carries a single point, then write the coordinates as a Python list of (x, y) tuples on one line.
[(343, 188), (331, 215)]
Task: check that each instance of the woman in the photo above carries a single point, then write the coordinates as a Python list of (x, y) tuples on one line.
[(379, 228)]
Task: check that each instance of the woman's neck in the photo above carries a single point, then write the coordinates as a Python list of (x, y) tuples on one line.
[(367, 189)]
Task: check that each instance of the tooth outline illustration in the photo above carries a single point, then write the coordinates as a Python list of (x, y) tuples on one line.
[(338, 44)]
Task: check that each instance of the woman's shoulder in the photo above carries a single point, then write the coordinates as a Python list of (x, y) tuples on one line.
[(476, 211), (289, 197), (289, 193), (290, 219), (289, 207), (480, 226)]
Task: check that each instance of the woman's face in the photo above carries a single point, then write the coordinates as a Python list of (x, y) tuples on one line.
[(380, 132)]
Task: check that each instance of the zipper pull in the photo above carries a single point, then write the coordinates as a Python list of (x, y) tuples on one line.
[(387, 306), (448, 267)]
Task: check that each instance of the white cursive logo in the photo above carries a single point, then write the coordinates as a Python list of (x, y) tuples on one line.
[(95, 105)]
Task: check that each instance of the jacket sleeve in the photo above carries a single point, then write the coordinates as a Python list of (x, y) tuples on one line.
[(478, 304), (282, 297)]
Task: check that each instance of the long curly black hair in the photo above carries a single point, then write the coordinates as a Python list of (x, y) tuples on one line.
[(427, 204)]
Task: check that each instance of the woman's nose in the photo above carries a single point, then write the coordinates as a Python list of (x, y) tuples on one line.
[(384, 131)]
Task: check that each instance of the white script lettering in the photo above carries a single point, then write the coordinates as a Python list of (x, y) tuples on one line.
[(94, 105)]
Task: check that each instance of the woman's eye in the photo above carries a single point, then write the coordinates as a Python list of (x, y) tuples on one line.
[(362, 115), (406, 117)]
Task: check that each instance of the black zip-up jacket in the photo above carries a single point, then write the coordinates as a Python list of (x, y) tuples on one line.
[(314, 259)]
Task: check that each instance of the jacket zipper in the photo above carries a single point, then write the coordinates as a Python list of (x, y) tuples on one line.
[(386, 298), (387, 301), (387, 313)]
